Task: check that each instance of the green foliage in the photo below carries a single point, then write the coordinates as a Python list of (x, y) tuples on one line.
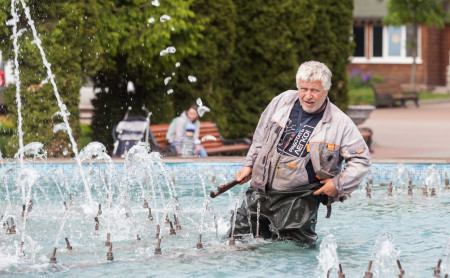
[(243, 53), (427, 12), (60, 38)]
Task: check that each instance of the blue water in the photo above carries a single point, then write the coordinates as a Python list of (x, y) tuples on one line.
[(418, 224)]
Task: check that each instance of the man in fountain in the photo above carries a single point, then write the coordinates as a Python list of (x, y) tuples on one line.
[(295, 160)]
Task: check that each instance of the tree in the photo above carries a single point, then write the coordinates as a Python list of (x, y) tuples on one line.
[(415, 12), (132, 37)]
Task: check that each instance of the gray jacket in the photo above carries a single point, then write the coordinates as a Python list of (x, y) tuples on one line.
[(179, 130), (334, 139)]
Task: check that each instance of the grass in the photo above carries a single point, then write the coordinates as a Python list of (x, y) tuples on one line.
[(364, 95), (86, 135)]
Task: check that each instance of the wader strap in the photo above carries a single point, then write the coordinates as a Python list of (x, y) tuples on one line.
[(330, 200)]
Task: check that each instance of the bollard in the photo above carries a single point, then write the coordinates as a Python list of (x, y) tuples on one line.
[(99, 210), (199, 243), (97, 224), (437, 270), (109, 254), (53, 257), (402, 272), (172, 230), (145, 203), (68, 244), (108, 237), (158, 248), (12, 229), (150, 216), (368, 274)]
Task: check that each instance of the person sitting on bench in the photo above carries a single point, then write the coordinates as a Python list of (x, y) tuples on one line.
[(178, 130)]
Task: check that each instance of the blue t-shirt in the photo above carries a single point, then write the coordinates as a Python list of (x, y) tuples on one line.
[(297, 147)]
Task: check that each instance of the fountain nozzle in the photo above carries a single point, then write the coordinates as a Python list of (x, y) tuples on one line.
[(65, 205), (425, 191), (158, 231), (158, 248), (368, 191), (23, 211), (68, 244), (108, 237), (177, 222), (145, 203), (199, 243), (53, 257), (12, 229), (172, 230), (433, 192), (402, 272), (437, 270), (368, 274), (390, 188), (138, 238), (109, 255), (150, 216), (99, 209), (97, 224), (340, 272)]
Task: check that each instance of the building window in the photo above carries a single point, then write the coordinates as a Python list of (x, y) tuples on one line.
[(377, 41), (359, 39), (386, 44)]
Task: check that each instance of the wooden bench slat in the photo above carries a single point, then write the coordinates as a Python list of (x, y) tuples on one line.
[(158, 138)]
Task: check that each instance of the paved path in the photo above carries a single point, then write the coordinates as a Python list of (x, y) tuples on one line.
[(411, 132)]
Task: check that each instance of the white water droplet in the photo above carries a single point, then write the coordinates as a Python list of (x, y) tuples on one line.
[(166, 80), (155, 3), (164, 18), (192, 79), (60, 126), (169, 49), (151, 20), (177, 64), (199, 102), (173, 29), (170, 91)]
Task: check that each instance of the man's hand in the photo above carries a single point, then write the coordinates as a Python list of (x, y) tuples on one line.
[(328, 188), (244, 175)]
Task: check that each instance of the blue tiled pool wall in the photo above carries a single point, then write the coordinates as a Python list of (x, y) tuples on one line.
[(190, 172)]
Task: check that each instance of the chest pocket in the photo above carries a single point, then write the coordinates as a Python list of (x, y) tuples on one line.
[(329, 159), (290, 172)]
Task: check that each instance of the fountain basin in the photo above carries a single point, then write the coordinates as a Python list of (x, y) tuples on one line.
[(416, 224)]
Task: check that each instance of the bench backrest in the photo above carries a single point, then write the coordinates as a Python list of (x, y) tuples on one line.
[(387, 88), (206, 128)]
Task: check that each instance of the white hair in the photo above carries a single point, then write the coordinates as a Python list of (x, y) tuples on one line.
[(314, 71)]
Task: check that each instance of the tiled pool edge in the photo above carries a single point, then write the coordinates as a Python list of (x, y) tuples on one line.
[(188, 169)]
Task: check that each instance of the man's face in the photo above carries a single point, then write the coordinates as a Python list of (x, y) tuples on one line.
[(311, 95), (192, 114)]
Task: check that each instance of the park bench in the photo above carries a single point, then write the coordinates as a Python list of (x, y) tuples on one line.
[(159, 142), (389, 93)]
